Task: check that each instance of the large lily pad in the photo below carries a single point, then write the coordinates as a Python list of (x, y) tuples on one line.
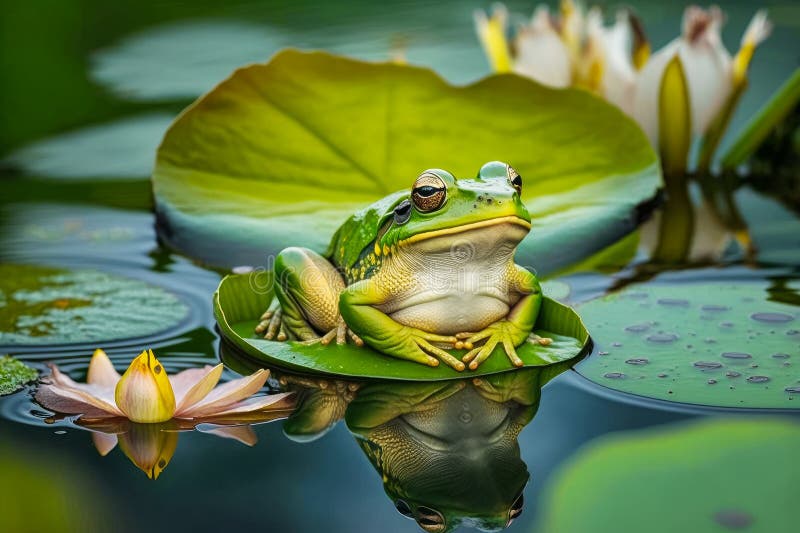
[(241, 299), (40, 305), (280, 154), (716, 344), (712, 477)]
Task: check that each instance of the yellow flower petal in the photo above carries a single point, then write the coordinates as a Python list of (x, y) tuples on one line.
[(144, 394), (191, 386), (149, 446), (674, 120), (492, 34), (101, 371)]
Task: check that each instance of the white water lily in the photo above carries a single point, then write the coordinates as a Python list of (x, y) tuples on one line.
[(577, 49), (146, 394)]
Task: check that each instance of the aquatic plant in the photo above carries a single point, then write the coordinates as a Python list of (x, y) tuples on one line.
[(146, 394)]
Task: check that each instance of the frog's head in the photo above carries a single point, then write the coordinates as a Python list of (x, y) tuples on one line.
[(441, 210)]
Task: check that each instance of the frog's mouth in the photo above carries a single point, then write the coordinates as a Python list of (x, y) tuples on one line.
[(510, 219)]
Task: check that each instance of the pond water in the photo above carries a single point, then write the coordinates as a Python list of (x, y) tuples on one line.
[(89, 104)]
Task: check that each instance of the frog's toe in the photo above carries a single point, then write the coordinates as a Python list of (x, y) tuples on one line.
[(536, 339), (358, 341), (274, 326), (328, 337)]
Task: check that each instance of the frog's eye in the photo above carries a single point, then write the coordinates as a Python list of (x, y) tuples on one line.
[(514, 179), (403, 508), (429, 192), (430, 520), (402, 212)]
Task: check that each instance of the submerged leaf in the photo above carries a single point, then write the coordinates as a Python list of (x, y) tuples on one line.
[(41, 305), (14, 374), (715, 344), (241, 299), (720, 475), (280, 154)]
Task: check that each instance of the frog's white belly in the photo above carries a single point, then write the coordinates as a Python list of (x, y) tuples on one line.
[(449, 292)]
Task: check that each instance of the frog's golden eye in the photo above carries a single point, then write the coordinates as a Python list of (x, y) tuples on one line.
[(429, 192), (514, 179)]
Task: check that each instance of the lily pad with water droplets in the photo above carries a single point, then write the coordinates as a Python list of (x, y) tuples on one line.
[(242, 298), (40, 306), (715, 477), (713, 344)]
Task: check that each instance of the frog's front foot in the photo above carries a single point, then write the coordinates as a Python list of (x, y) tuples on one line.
[(505, 333), (271, 325), (341, 332), (536, 339)]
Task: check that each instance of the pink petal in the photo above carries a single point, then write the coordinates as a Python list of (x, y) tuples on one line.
[(191, 386), (228, 394), (245, 406), (75, 401), (101, 371), (243, 434), (104, 442)]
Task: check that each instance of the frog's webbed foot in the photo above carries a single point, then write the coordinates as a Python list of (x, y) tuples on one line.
[(271, 324), (504, 333), (536, 339), (422, 350), (341, 333)]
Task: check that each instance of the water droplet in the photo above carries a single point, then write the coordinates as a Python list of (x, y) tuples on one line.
[(732, 374), (60, 432), (615, 375), (709, 340), (602, 353), (757, 379), (772, 317), (726, 324), (793, 390), (715, 308), (638, 328), (780, 356), (754, 365), (707, 364), (616, 344), (662, 375), (733, 519), (712, 381), (679, 302), (736, 355), (662, 338), (792, 332), (638, 361)]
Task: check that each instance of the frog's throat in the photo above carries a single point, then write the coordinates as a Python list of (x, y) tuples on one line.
[(512, 219)]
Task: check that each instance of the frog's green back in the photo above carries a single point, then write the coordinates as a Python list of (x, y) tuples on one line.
[(360, 230)]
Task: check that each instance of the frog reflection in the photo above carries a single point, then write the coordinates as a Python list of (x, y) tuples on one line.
[(447, 451)]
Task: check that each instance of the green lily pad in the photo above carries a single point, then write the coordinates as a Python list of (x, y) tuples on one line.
[(715, 476), (280, 154), (715, 344), (242, 298), (41, 305), (14, 374)]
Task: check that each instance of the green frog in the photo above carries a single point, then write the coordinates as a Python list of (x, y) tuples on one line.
[(418, 273)]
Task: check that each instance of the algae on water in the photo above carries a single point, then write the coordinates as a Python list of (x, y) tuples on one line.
[(14, 374)]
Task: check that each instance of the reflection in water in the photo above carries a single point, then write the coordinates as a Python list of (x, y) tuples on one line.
[(151, 446), (446, 451)]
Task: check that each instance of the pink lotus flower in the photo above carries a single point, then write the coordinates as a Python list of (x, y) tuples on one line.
[(145, 393)]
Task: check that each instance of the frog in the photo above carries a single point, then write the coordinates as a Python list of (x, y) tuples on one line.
[(417, 274)]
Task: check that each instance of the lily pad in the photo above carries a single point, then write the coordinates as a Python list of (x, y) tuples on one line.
[(714, 344), (715, 476), (280, 154), (14, 374), (242, 298), (40, 305)]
